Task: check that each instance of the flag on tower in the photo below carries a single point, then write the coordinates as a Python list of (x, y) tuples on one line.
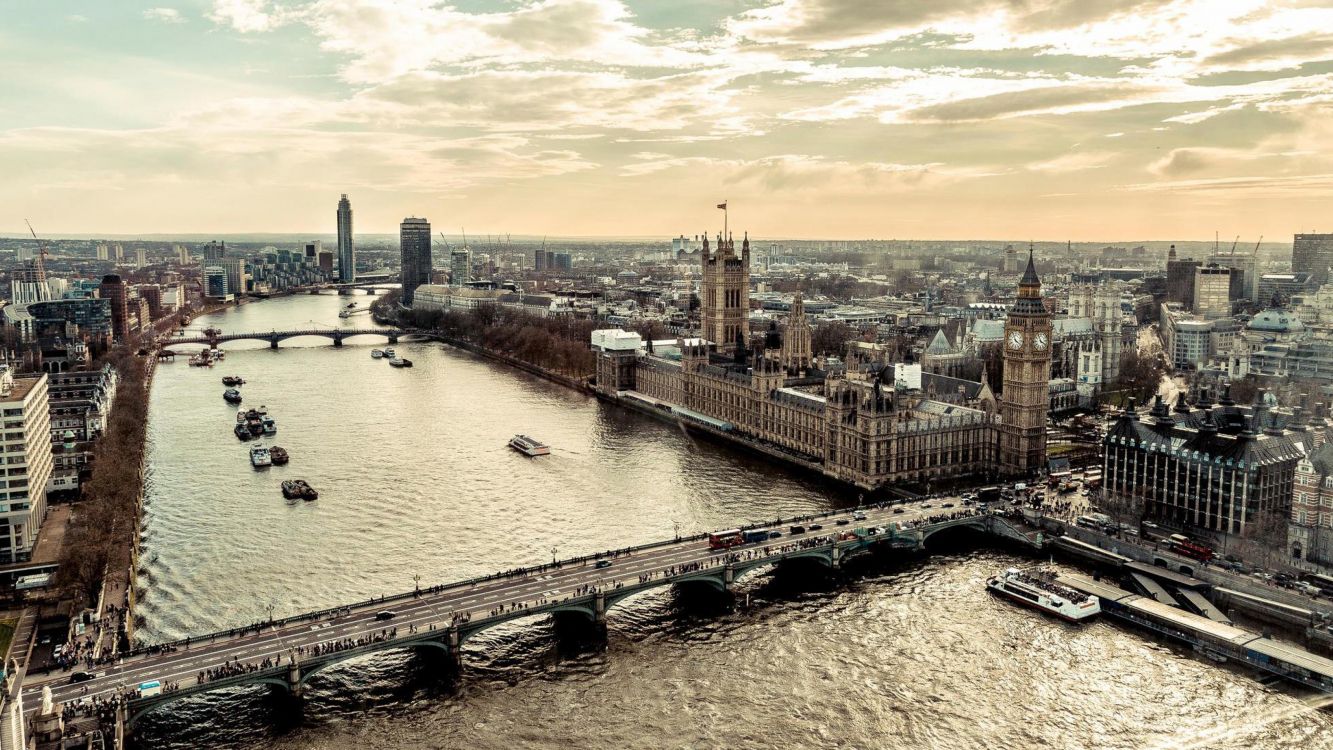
[(722, 205)]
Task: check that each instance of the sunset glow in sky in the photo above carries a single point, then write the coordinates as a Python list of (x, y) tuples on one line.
[(1044, 119)]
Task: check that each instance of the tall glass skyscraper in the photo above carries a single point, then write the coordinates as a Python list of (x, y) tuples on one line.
[(414, 245), (346, 254)]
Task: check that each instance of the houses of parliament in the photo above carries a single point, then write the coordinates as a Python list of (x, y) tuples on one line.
[(873, 424)]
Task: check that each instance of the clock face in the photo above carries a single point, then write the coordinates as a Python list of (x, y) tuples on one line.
[(1015, 339), (1039, 341)]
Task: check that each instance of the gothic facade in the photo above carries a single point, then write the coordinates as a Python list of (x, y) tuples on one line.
[(869, 427)]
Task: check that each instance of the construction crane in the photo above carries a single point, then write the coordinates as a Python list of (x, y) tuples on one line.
[(1234, 243), (39, 263)]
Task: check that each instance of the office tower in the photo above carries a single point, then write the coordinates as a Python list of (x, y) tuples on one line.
[(236, 274), (26, 452), (326, 262), (113, 290), (215, 250), (1180, 279), (1312, 254), (214, 278), (1212, 291), (346, 252), (414, 248), (539, 260), (460, 267), (312, 250)]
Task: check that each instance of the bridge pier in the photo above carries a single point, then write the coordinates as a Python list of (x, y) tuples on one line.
[(337, 340), (835, 557), (454, 642), (294, 686), (273, 343), (393, 338), (599, 610), (729, 576)]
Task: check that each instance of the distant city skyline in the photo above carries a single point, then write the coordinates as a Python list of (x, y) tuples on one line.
[(836, 119)]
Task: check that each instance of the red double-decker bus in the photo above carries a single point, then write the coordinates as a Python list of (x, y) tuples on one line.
[(724, 539), (1191, 550)]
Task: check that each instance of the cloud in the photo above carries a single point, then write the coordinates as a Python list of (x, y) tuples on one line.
[(1271, 54), (1052, 99), (384, 39), (842, 23), (50, 158), (165, 15), (786, 173), (548, 99), (247, 16), (1074, 162)]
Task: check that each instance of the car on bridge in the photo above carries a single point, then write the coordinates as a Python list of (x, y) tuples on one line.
[(797, 530), (816, 526), (858, 515), (385, 614), (602, 564), (82, 677)]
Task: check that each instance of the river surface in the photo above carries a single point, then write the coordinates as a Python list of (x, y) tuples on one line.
[(415, 480)]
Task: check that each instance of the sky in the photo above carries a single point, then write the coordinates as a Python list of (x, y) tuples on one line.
[(838, 119)]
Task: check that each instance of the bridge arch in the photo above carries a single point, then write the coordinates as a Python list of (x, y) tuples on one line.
[(350, 654), (167, 699)]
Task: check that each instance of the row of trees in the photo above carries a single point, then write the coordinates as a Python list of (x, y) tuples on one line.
[(558, 344), (103, 527)]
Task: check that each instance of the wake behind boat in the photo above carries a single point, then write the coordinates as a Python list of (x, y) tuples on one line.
[(1040, 591), (529, 446)]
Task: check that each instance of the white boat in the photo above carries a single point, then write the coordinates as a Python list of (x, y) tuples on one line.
[(345, 314), (376, 353), (529, 446), (1040, 591), (389, 353), (259, 457), (400, 362)]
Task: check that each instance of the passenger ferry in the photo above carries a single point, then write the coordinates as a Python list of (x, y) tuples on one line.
[(1040, 591), (529, 446), (376, 353), (259, 457)]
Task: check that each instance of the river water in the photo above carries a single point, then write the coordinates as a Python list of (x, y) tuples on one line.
[(415, 479)]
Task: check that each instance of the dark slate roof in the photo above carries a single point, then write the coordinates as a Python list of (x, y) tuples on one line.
[(1210, 435), (944, 384), (1030, 275)]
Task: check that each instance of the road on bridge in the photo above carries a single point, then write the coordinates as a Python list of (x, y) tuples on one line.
[(435, 609)]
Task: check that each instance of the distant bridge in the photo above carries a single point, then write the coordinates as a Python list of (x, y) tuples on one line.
[(338, 335)]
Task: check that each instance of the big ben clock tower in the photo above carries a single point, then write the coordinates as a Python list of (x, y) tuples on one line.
[(1026, 398)]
